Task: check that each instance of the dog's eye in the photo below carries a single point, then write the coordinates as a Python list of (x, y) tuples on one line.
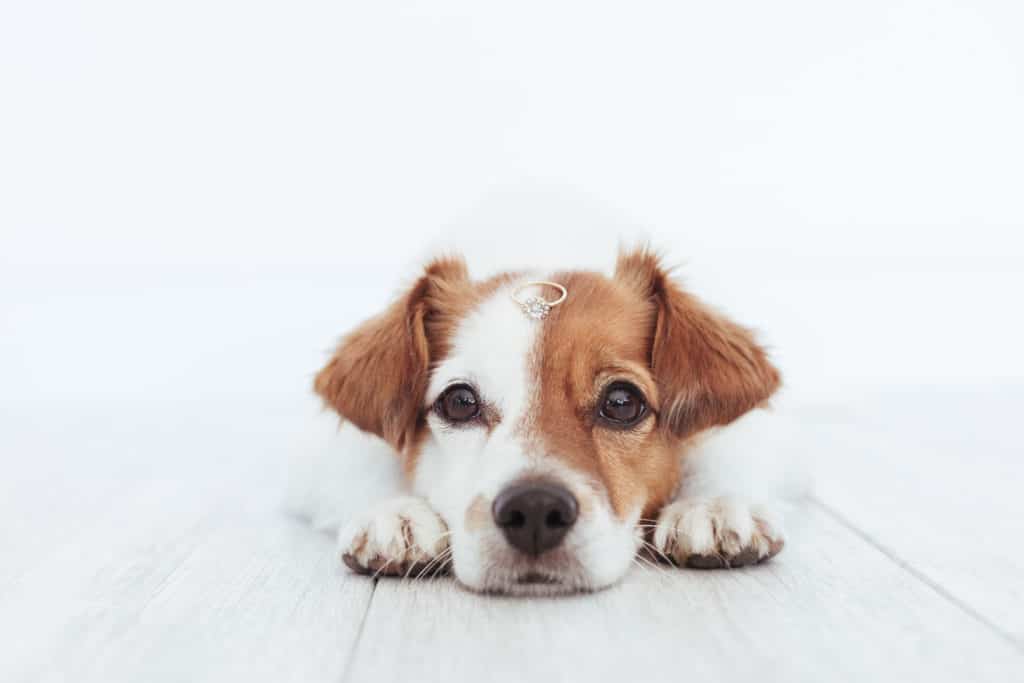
[(622, 405), (458, 403)]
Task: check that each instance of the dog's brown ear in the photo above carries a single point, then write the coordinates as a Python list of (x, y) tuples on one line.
[(709, 370), (377, 377)]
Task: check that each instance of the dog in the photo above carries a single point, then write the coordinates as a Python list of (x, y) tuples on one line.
[(545, 428)]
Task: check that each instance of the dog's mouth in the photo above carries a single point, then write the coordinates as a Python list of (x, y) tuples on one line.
[(534, 584), (530, 578), (538, 581)]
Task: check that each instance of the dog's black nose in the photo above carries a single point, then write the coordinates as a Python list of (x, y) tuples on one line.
[(534, 516)]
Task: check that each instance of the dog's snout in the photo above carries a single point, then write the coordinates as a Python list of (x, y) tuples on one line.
[(535, 516)]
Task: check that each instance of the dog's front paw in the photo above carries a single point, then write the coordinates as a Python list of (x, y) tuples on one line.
[(712, 533), (400, 537)]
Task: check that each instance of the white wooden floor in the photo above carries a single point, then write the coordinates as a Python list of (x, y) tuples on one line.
[(144, 542)]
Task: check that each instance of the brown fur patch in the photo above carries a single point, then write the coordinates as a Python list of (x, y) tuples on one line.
[(601, 333), (378, 376), (696, 369)]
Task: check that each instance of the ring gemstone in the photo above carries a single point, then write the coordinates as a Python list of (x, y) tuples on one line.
[(536, 308)]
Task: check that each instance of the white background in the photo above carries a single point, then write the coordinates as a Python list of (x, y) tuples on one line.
[(197, 198)]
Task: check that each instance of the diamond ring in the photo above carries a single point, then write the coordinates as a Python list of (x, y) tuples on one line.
[(536, 306)]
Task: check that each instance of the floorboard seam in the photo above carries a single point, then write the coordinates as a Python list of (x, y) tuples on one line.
[(920, 576), (347, 673)]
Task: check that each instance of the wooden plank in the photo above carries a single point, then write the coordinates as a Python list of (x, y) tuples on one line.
[(830, 607), (190, 572), (934, 479), (251, 599)]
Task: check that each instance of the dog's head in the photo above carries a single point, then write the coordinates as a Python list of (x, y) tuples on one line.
[(545, 444)]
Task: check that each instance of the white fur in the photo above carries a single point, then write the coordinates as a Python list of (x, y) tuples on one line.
[(758, 455), (339, 472), (490, 350), (403, 530), (737, 487), (722, 527)]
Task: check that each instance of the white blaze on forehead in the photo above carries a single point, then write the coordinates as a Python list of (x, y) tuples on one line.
[(492, 349)]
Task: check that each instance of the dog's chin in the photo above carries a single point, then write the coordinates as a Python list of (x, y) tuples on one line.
[(537, 578), (534, 583)]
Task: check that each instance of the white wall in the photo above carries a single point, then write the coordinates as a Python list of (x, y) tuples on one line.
[(193, 190)]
